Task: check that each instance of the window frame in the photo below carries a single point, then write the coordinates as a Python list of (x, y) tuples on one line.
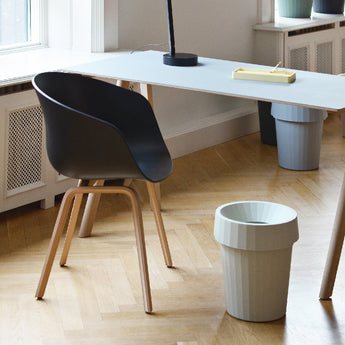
[(41, 34), (265, 11)]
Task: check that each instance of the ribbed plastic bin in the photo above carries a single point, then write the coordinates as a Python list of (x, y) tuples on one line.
[(256, 240), (299, 133)]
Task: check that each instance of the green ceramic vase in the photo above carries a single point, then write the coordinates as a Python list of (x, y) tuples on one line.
[(295, 8)]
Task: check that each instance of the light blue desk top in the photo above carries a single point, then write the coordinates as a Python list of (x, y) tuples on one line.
[(312, 90)]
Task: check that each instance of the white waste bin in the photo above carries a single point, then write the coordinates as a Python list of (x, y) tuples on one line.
[(256, 240), (299, 133)]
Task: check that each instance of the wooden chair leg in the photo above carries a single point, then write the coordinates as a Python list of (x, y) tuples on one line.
[(140, 241), (159, 224), (335, 248), (90, 210), (71, 227), (139, 235), (54, 242), (157, 188)]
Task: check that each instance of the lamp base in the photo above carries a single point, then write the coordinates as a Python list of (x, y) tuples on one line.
[(180, 59)]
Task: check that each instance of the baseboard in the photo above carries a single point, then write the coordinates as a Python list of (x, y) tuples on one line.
[(213, 130)]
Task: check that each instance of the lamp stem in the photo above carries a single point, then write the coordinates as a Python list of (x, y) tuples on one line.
[(170, 27), (176, 59)]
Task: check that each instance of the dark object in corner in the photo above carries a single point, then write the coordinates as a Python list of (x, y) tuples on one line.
[(328, 6), (267, 123)]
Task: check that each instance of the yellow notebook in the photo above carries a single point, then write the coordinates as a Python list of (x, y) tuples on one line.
[(264, 75)]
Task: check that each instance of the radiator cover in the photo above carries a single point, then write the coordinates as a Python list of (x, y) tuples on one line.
[(26, 175)]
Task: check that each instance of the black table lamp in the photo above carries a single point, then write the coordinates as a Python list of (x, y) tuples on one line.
[(176, 59)]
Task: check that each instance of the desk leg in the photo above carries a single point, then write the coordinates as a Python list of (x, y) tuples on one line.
[(93, 199), (342, 119), (335, 248), (146, 91), (123, 83), (90, 210)]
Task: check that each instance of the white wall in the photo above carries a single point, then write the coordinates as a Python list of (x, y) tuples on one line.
[(81, 24), (217, 29), (69, 24), (59, 24)]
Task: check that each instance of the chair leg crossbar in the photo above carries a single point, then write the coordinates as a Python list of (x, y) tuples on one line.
[(76, 194)]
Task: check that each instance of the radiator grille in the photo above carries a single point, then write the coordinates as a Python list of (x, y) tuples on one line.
[(310, 30), (324, 58), (7, 90), (24, 147), (299, 58)]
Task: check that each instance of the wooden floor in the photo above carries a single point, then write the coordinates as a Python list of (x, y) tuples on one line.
[(97, 298)]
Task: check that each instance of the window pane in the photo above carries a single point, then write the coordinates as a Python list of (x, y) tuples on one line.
[(14, 21)]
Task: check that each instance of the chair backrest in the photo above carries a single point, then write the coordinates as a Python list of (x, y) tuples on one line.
[(96, 130)]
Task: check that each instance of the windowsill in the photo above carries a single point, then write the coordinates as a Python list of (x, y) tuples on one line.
[(22, 66), (286, 24), (17, 48)]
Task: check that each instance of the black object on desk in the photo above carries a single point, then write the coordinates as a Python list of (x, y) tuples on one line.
[(173, 58)]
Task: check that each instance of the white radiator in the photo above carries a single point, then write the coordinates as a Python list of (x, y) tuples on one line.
[(25, 174), (311, 45)]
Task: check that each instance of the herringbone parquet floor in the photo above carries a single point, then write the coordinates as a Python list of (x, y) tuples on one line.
[(97, 298)]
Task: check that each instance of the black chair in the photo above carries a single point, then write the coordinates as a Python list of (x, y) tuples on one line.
[(98, 131)]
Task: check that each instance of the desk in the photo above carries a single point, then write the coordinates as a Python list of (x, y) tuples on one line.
[(311, 90)]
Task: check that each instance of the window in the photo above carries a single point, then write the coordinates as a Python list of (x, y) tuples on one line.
[(19, 23)]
